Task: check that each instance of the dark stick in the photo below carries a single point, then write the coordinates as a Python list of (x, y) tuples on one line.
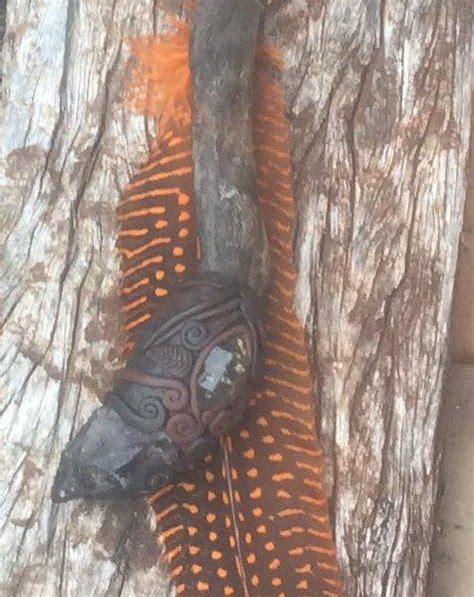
[(222, 55)]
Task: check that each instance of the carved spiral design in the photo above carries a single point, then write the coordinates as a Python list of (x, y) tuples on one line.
[(194, 335), (183, 428), (175, 399), (172, 360), (149, 407)]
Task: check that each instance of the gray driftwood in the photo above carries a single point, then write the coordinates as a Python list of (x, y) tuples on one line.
[(222, 56), (379, 97)]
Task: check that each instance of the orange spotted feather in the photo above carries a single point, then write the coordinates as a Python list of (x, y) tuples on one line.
[(253, 520)]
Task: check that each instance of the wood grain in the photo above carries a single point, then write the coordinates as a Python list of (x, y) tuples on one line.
[(379, 93), (222, 59)]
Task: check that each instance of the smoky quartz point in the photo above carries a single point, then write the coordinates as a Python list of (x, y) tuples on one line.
[(186, 383)]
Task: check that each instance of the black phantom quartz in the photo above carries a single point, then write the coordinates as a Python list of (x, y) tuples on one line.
[(186, 383)]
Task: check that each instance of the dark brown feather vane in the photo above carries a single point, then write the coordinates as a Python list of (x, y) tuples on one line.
[(253, 520)]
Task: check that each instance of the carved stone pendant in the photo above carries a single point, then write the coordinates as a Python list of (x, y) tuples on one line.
[(186, 383)]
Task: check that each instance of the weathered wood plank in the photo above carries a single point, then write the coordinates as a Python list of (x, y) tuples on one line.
[(379, 94), (379, 99), (67, 147)]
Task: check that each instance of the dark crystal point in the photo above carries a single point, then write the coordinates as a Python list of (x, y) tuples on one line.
[(185, 384)]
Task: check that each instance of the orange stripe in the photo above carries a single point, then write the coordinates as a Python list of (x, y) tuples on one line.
[(278, 414), (156, 177), (171, 193), (153, 243), (133, 233), (142, 265), (133, 324), (138, 213), (129, 289), (164, 513), (134, 304)]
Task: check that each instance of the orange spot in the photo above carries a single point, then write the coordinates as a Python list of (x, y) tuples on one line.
[(262, 421), (261, 529), (256, 493), (283, 494), (255, 580), (303, 569), (268, 439), (283, 477), (194, 550), (179, 268), (195, 569), (160, 224), (183, 233), (213, 536), (227, 522), (251, 558), (160, 274), (244, 434), (275, 457), (252, 473), (257, 512), (180, 589), (161, 292), (274, 564), (202, 586), (188, 487), (178, 251), (192, 531), (177, 571), (228, 591), (183, 199), (225, 498), (270, 546), (250, 453), (302, 584), (232, 541), (184, 216), (221, 573), (276, 582), (211, 496), (191, 508), (248, 538), (209, 476), (216, 555), (211, 517)]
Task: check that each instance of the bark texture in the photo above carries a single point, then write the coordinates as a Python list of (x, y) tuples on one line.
[(379, 95), (462, 334), (222, 56), (380, 101)]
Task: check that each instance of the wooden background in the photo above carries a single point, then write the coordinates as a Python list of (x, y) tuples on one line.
[(379, 101)]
